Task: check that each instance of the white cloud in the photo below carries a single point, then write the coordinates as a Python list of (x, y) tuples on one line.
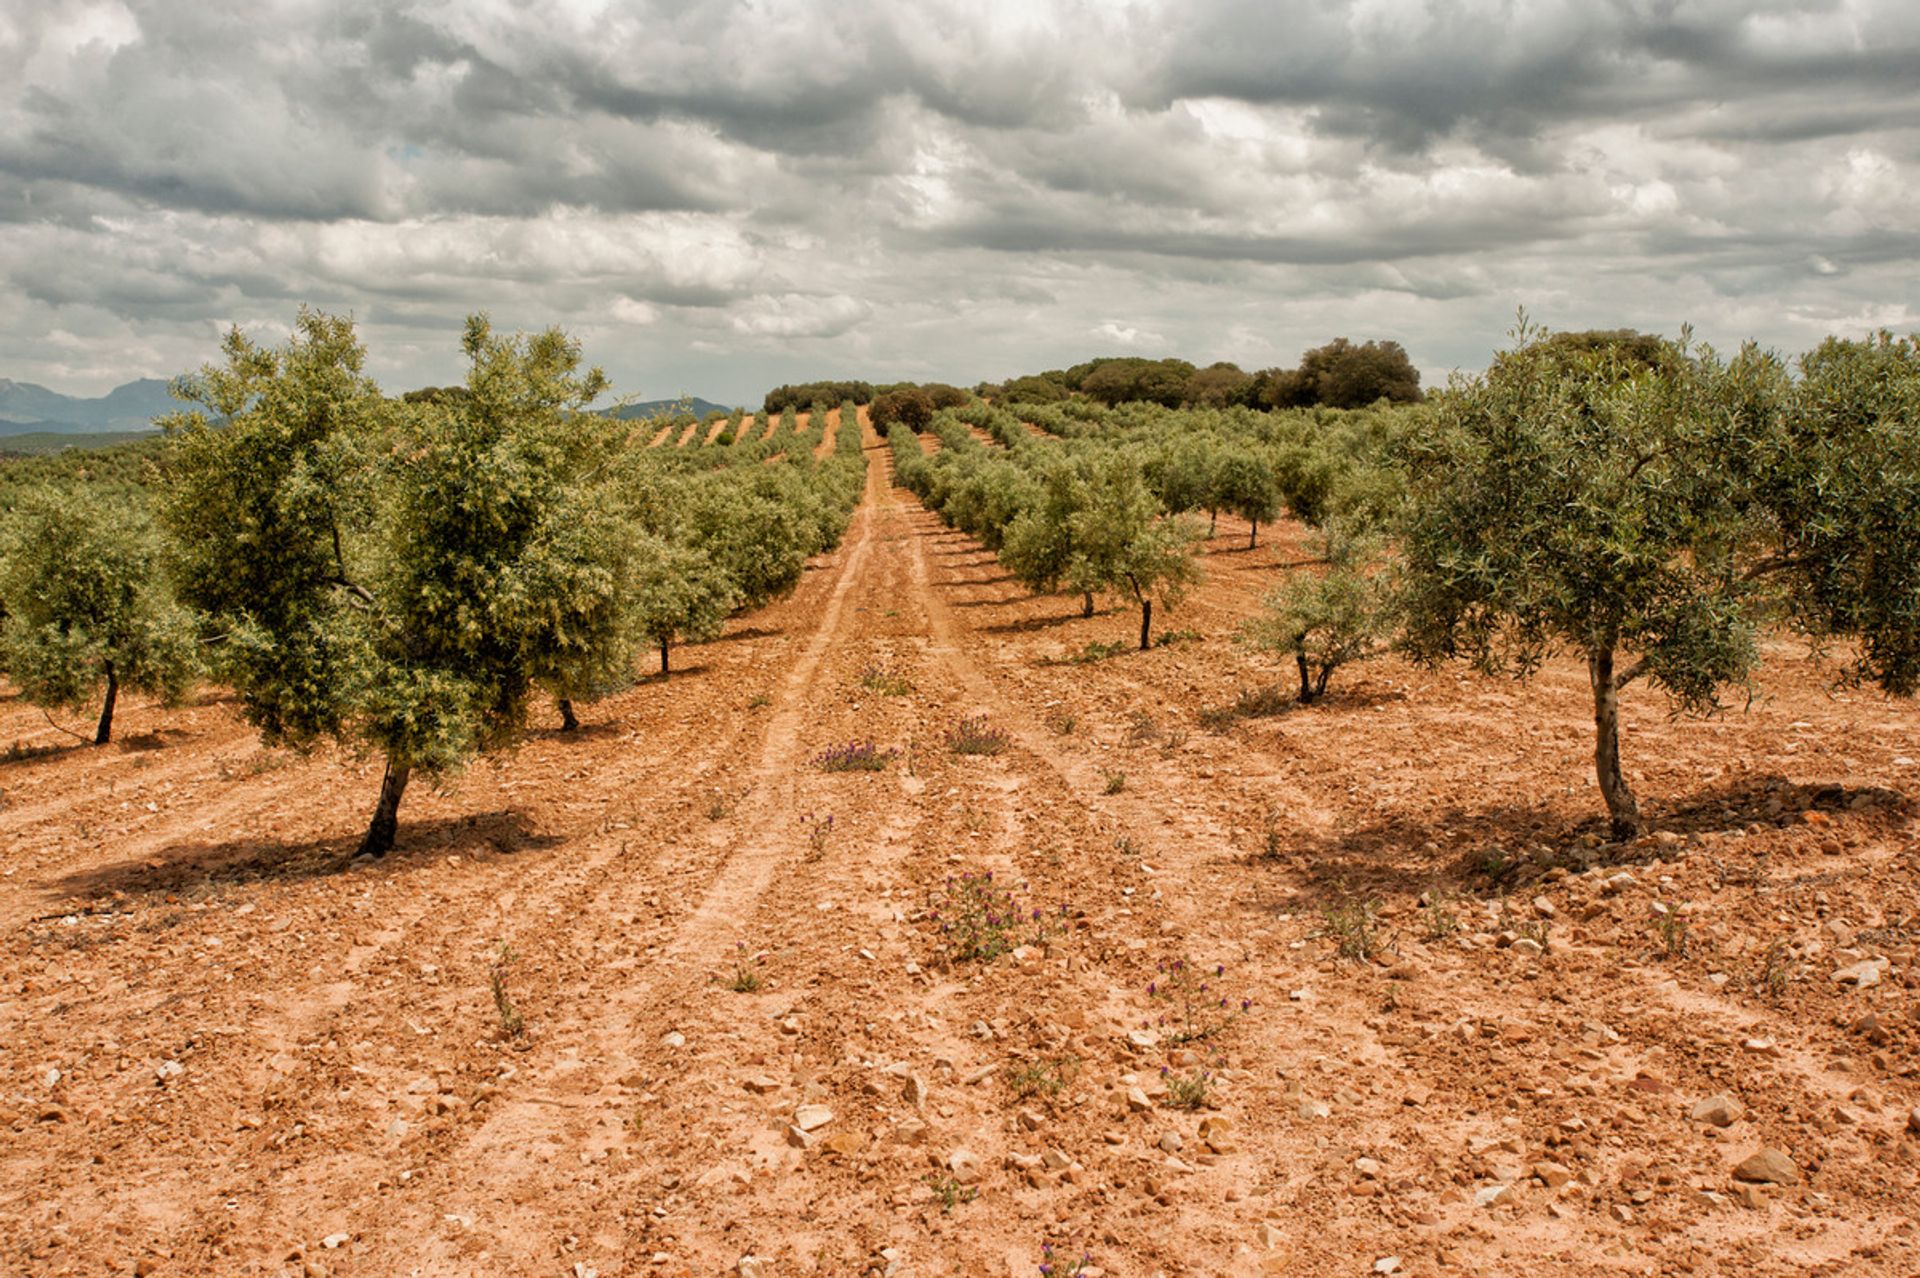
[(720, 197)]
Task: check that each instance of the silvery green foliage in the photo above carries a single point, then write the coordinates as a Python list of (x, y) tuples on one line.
[(1841, 477), (88, 611), (1584, 500), (400, 576)]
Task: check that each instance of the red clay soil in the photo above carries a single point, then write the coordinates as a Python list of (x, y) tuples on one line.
[(623, 1002)]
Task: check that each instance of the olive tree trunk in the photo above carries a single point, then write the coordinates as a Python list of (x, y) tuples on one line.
[(1253, 534), (104, 733), (1086, 605), (386, 814), (1146, 622), (1621, 806), (1307, 691), (569, 721), (664, 670)]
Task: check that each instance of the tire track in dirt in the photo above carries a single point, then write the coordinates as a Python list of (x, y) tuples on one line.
[(760, 842)]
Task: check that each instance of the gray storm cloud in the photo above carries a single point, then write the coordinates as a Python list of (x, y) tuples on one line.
[(717, 197)]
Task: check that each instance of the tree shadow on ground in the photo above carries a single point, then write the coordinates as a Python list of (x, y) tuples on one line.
[(195, 868), (20, 752), (1504, 847), (1029, 624), (747, 632), (591, 727), (1280, 700)]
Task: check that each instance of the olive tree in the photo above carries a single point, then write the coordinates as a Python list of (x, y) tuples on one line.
[(1124, 542), (1584, 501), (1841, 478), (1038, 547), (88, 610), (385, 574), (1245, 482), (680, 596), (1328, 618)]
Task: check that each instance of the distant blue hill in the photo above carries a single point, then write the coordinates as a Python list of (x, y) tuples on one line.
[(660, 407), (29, 409)]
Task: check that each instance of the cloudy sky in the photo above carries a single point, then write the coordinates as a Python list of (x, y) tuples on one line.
[(716, 197)]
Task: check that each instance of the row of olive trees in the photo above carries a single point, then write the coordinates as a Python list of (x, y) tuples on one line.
[(1649, 506), (1654, 511), (403, 576)]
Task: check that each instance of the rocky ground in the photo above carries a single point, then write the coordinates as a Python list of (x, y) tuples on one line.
[(667, 996)]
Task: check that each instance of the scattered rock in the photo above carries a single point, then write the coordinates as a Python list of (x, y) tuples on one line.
[(1721, 1111), (760, 1084), (673, 1038), (1767, 1167), (1553, 1175), (1862, 974), (1137, 1101), (964, 1165), (1171, 1142), (1913, 1121), (333, 1242), (1311, 1109), (845, 1144), (1492, 1195), (915, 1091), (1216, 1133), (809, 1118), (754, 1267)]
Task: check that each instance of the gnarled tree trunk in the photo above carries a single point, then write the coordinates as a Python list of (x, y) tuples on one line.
[(1146, 622), (664, 671), (569, 721), (1086, 608), (1253, 534), (104, 733), (386, 814), (1307, 691), (1621, 806)]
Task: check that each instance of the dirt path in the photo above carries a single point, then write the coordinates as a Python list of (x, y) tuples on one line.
[(224, 1048)]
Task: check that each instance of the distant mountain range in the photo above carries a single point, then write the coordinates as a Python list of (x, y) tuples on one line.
[(27, 409)]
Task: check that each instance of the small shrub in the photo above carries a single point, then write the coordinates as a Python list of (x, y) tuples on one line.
[(1116, 782), (950, 1192), (878, 677), (1042, 1078), (819, 831), (1353, 923), (1671, 930), (975, 735), (1442, 919), (1062, 723), (978, 920), (744, 979), (1776, 971), (1187, 1091), (512, 1025), (855, 756), (1194, 1009)]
